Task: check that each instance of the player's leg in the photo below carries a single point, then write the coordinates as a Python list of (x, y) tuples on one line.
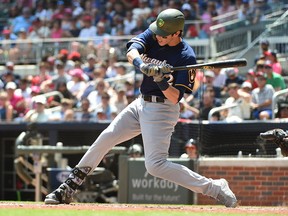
[(157, 128), (124, 127)]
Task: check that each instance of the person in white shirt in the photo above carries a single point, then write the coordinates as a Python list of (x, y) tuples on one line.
[(88, 30), (241, 99), (39, 113)]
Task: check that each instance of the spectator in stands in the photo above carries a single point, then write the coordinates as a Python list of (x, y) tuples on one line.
[(101, 32), (174, 4), (119, 99), (245, 12), (247, 87), (264, 48), (216, 101), (24, 88), (129, 22), (25, 3), (274, 79), (276, 65), (88, 30), (143, 10), (62, 88), (259, 8), (250, 77), (90, 65), (56, 29), (282, 112), (95, 96), (38, 30), (121, 70), (7, 49), (232, 77), (9, 74), (17, 101), (84, 114), (61, 75), (262, 98), (23, 21), (208, 81), (226, 7), (77, 83), (42, 12), (190, 149), (242, 100), (187, 111), (66, 20), (259, 65), (220, 78), (206, 105), (72, 58), (13, 12), (6, 109), (59, 11), (23, 51), (209, 12), (42, 75), (98, 74), (117, 26), (105, 110), (39, 113), (66, 112), (141, 25), (74, 29), (135, 151), (77, 10), (190, 30)]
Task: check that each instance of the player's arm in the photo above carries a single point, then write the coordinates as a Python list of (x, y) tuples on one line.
[(170, 92), (133, 54)]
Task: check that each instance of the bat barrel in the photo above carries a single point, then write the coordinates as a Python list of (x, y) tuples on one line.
[(217, 64)]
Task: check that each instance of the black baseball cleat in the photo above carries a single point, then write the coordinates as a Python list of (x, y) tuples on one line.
[(226, 196), (62, 195)]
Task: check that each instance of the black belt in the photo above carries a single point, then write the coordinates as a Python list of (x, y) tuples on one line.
[(152, 98)]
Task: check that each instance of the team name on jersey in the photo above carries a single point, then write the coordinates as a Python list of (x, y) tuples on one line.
[(147, 59)]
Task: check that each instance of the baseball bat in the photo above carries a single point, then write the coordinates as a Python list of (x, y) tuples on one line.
[(217, 64)]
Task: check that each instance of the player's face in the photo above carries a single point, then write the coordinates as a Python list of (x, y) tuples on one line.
[(170, 40)]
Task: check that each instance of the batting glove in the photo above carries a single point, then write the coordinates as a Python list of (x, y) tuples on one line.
[(149, 69)]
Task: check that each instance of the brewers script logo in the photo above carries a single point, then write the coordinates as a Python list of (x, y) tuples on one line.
[(160, 22)]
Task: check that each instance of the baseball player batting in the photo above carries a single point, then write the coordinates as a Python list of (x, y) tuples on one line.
[(154, 113)]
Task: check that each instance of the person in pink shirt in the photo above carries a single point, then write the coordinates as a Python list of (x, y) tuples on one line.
[(57, 31), (17, 101), (276, 66)]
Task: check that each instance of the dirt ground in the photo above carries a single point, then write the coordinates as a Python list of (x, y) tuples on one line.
[(130, 207)]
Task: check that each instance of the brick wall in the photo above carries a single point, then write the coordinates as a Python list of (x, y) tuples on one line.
[(255, 181)]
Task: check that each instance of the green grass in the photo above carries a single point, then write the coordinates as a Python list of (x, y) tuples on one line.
[(67, 212), (13, 208), (59, 212)]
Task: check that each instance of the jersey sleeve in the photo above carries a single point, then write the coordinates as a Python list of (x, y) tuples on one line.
[(140, 42)]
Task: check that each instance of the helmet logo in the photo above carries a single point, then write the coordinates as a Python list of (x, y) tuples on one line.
[(160, 22)]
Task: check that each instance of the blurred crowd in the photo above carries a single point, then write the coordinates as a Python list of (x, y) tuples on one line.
[(89, 87), (240, 97), (91, 18)]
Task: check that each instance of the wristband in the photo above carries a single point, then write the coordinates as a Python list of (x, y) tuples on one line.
[(163, 85), (137, 62)]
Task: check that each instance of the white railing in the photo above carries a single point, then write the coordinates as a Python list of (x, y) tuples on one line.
[(218, 109)]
